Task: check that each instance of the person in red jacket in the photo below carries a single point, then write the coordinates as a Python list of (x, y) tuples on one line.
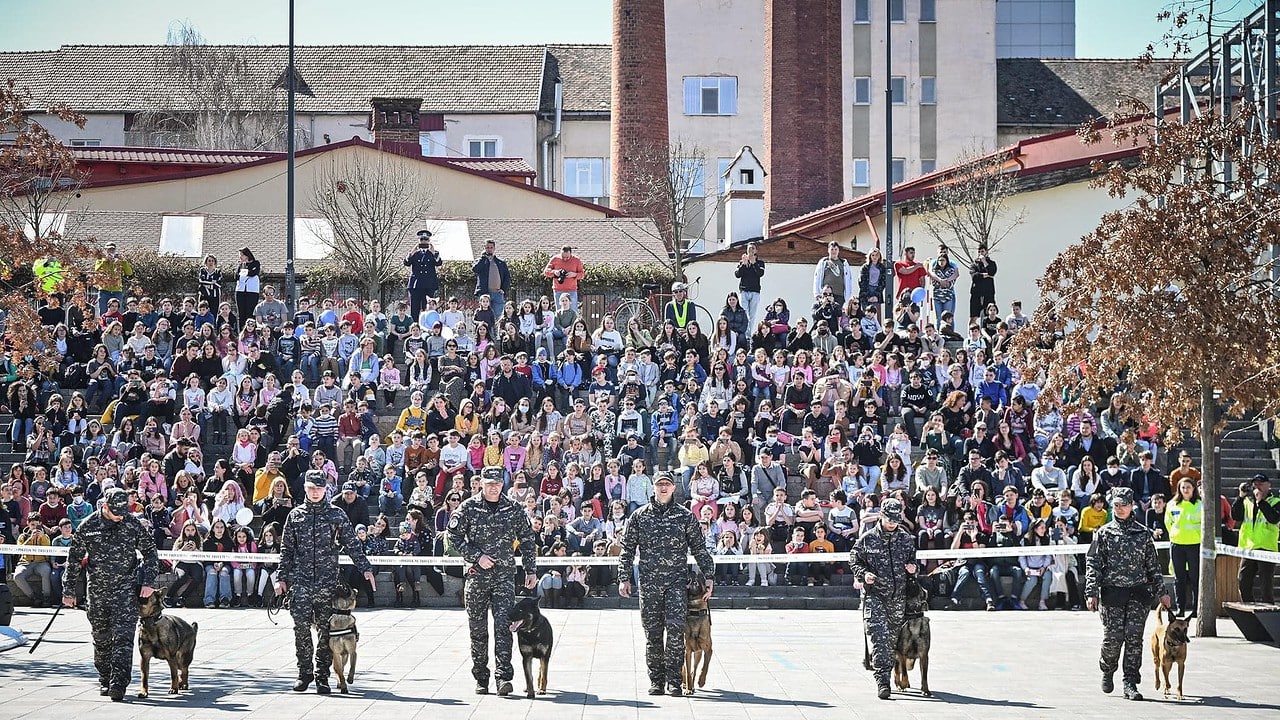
[(565, 271)]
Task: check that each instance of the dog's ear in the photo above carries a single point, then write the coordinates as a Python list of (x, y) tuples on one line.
[(159, 593)]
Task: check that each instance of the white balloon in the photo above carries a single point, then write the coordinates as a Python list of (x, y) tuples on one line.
[(244, 517), (447, 333)]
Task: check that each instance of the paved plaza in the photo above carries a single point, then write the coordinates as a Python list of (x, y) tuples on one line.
[(769, 664)]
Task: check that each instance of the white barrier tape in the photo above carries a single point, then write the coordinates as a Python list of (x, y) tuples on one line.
[(1263, 555)]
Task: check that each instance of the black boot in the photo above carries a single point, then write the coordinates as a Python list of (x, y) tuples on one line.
[(1108, 683), (399, 597), (1131, 691), (301, 684)]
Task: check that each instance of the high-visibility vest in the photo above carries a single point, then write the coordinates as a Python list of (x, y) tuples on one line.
[(1184, 521), (1255, 532)]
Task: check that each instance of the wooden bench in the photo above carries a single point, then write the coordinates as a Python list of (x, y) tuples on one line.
[(1257, 622)]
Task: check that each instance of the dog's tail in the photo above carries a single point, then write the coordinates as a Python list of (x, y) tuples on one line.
[(1159, 617), (195, 627)]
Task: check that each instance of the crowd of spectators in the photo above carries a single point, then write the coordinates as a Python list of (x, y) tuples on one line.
[(784, 433)]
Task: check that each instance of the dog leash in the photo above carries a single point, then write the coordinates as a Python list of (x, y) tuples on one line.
[(277, 604)]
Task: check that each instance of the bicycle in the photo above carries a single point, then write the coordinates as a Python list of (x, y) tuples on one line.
[(649, 310)]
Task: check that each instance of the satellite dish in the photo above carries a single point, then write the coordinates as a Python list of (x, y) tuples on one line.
[(244, 517)]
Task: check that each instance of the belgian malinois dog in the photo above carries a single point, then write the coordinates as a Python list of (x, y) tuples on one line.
[(535, 639), (697, 633), (343, 636), (1169, 646), (166, 637)]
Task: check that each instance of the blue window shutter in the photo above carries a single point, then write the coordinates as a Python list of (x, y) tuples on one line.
[(692, 96), (729, 96)]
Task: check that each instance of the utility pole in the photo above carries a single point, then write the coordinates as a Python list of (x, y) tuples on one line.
[(290, 280), (888, 160)]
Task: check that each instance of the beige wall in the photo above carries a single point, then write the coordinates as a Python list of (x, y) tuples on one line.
[(716, 37), (106, 128), (580, 139), (260, 190), (792, 283), (519, 134), (966, 84)]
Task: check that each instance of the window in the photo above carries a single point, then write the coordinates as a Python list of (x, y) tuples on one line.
[(722, 167), (86, 143), (897, 11), (433, 143), (862, 91), (861, 172), (899, 170), (711, 96), (584, 178), (928, 166), (928, 91), (483, 146), (898, 90), (313, 238), (50, 223), (862, 11), (928, 11), (182, 235)]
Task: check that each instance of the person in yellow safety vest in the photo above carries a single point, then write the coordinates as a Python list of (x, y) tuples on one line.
[(48, 272), (112, 271), (1184, 521), (1259, 516)]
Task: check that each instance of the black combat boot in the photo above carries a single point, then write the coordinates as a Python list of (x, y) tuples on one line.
[(655, 688), (322, 686), (883, 692), (302, 683), (1131, 691), (1108, 683), (504, 687)]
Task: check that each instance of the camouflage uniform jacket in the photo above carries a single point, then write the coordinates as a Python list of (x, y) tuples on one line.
[(112, 551), (309, 546), (883, 554), (1122, 555), (669, 533), (479, 527)]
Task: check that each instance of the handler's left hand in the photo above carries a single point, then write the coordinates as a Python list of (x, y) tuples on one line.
[(530, 581), (146, 591), (911, 568), (710, 586), (373, 584), (1164, 600)]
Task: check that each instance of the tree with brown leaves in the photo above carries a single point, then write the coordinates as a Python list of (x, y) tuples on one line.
[(38, 177), (1173, 301)]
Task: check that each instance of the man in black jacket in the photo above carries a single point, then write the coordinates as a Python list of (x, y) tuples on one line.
[(509, 384), (749, 271), (492, 277), (1088, 443)]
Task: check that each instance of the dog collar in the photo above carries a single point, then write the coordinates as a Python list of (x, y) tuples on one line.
[(339, 633), (341, 612), (696, 613)]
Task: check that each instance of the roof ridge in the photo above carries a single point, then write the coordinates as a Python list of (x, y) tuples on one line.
[(531, 46)]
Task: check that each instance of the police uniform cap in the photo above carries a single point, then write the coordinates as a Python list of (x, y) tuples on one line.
[(664, 478), (117, 501), (891, 509), (314, 477), (1121, 496)]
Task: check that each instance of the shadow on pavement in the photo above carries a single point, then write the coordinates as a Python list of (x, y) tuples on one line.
[(1220, 702), (747, 698), (957, 699), (578, 698)]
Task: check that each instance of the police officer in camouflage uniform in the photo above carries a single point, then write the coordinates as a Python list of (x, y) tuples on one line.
[(486, 528), (309, 545), (665, 533), (883, 560), (1122, 581), (110, 540)]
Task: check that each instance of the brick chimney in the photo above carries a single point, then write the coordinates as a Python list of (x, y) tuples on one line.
[(803, 142), (395, 124), (640, 139)]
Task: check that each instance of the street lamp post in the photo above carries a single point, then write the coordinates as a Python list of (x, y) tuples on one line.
[(290, 280), (888, 158)]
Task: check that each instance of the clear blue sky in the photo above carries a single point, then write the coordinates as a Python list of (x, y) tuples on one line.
[(1104, 28)]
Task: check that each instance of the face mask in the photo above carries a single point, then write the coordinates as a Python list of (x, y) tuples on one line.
[(1048, 463)]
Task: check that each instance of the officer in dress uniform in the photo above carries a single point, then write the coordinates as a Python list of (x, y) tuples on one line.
[(308, 569), (486, 529), (883, 560), (1122, 581), (666, 533), (109, 543), (423, 280)]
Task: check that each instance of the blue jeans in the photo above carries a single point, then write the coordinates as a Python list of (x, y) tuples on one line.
[(941, 306), (21, 428), (497, 300), (750, 303), (389, 504), (972, 570), (105, 295), (217, 581), (999, 570)]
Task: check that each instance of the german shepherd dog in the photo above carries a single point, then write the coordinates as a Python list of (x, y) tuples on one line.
[(535, 639), (1169, 646), (697, 633), (914, 639), (343, 636), (166, 637)]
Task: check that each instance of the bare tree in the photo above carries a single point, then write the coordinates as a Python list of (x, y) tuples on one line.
[(674, 193), (215, 97), (38, 176), (372, 202), (969, 206)]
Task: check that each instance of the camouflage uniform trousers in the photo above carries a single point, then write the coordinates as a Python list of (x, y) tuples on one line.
[(490, 592), (308, 608), (883, 618), (663, 609), (113, 622), (1122, 627)]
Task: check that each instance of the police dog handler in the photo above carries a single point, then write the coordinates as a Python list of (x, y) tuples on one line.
[(883, 560), (665, 533), (109, 543), (1122, 582), (309, 546)]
